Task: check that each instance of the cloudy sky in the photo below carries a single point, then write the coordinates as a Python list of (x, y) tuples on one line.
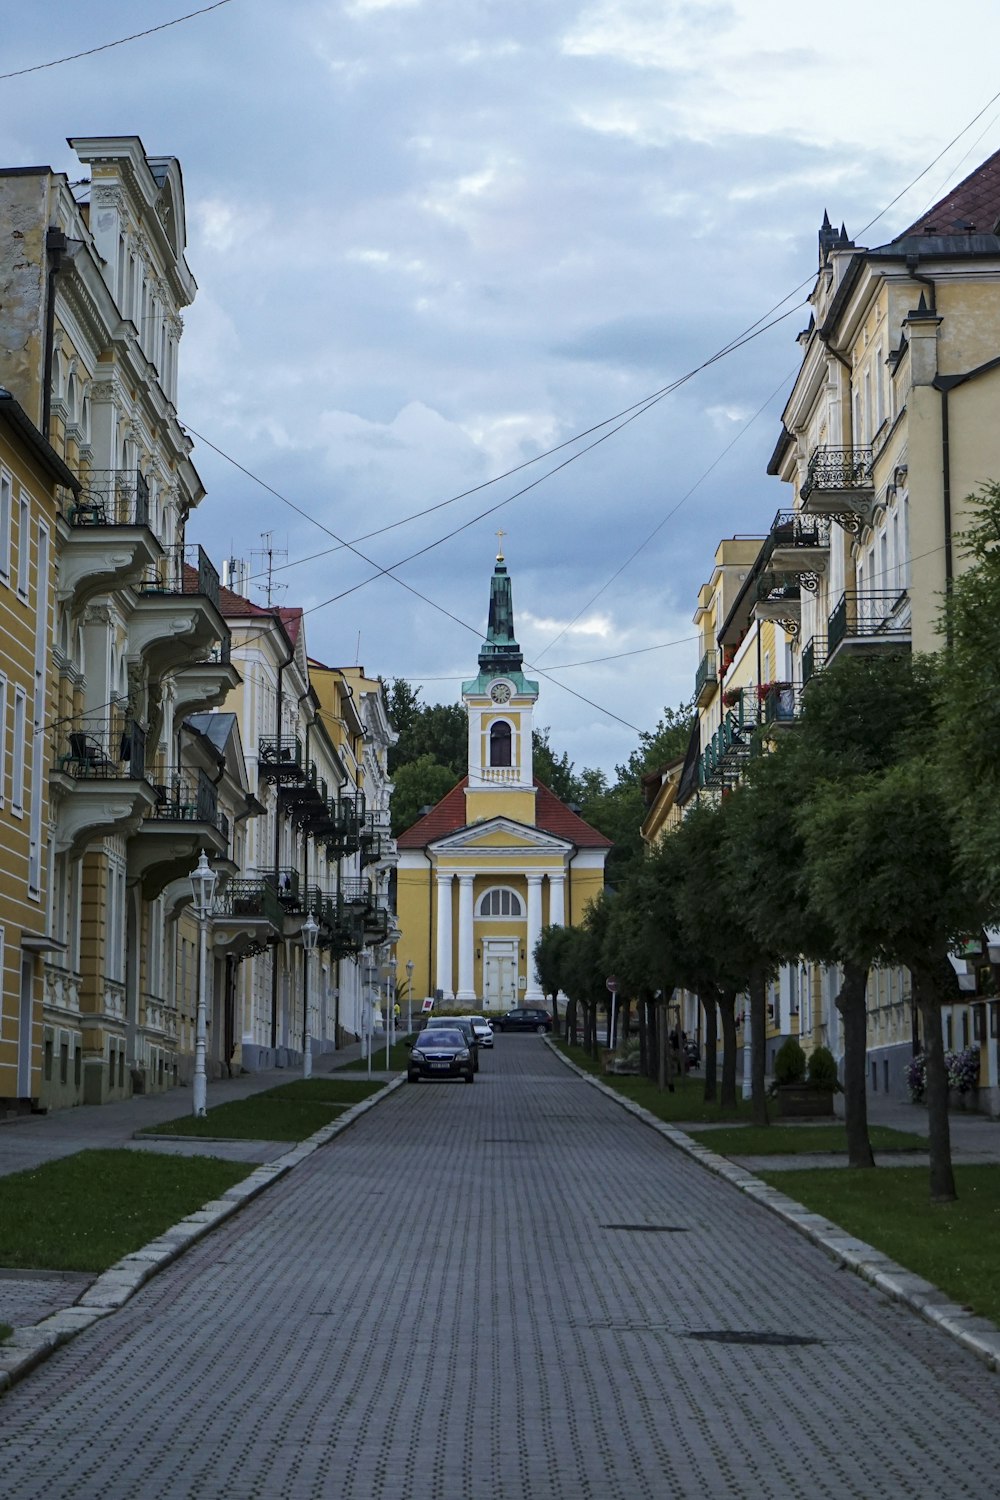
[(436, 238)]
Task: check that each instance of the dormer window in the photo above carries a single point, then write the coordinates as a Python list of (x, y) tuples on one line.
[(500, 743)]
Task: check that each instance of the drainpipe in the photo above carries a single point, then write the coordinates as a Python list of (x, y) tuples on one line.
[(279, 700), (55, 249)]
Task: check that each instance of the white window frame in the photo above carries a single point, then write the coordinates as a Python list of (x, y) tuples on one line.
[(501, 916), (6, 509), (23, 545), (18, 757)]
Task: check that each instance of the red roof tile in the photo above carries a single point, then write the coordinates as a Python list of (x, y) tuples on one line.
[(551, 816), (975, 200)]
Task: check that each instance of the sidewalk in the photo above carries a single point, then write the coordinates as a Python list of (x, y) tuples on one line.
[(35, 1139)]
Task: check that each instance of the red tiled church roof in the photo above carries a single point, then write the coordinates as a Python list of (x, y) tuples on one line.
[(551, 816), (973, 201)]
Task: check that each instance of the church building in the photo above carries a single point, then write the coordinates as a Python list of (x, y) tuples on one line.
[(499, 857)]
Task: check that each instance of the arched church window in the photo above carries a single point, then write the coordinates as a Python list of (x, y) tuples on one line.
[(500, 902), (500, 743)]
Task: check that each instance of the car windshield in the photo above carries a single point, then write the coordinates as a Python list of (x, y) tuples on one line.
[(440, 1037), (481, 1022)]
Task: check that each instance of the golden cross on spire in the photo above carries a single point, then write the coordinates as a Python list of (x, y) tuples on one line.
[(500, 536)]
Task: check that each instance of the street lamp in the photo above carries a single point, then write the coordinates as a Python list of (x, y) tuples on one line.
[(409, 996), (310, 932), (392, 986), (203, 882)]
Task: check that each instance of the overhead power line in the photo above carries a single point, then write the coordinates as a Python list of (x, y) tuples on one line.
[(135, 36)]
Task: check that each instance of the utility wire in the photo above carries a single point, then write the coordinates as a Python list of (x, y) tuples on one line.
[(135, 36)]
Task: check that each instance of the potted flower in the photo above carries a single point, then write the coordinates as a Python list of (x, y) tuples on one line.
[(804, 1089)]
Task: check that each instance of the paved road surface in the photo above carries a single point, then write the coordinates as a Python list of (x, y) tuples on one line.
[(439, 1306)]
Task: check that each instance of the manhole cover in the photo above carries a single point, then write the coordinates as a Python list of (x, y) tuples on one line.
[(646, 1228), (742, 1336)]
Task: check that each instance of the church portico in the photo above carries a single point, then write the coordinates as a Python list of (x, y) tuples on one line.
[(500, 856)]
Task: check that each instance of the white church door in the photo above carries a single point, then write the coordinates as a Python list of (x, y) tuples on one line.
[(500, 973)]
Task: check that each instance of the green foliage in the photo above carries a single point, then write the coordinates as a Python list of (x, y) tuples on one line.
[(555, 771), (822, 1072), (419, 783), (262, 1117), (790, 1063), (86, 1211), (551, 959)]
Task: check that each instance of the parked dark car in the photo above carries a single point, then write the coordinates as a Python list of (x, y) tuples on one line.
[(457, 1023), (526, 1018), (441, 1052)]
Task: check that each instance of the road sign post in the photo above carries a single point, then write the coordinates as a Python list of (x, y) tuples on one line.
[(612, 984)]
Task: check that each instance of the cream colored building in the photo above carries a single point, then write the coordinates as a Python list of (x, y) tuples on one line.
[(500, 856)]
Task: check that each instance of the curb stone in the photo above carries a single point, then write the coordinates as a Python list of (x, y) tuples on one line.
[(29, 1346), (978, 1335)]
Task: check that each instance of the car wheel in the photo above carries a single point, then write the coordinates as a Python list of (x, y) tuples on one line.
[(413, 1077), (541, 1030), (469, 1078)]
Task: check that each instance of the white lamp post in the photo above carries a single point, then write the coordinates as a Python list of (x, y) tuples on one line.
[(203, 882), (392, 987), (310, 932), (409, 996)]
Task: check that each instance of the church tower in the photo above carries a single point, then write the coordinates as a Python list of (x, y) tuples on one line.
[(482, 872), (500, 704)]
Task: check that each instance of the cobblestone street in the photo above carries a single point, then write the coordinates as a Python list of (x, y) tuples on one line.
[(517, 1292)]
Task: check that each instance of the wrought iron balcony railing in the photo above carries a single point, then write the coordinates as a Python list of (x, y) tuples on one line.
[(838, 469), (184, 570), (813, 658), (779, 703), (707, 675), (190, 798), (110, 497), (279, 758), (251, 899), (796, 528), (105, 748), (726, 753), (876, 612)]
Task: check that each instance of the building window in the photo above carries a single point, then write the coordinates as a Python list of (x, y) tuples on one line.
[(23, 546), (6, 502), (501, 902), (17, 751), (500, 743)]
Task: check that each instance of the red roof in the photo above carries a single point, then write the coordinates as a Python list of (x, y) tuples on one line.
[(551, 816), (974, 201)]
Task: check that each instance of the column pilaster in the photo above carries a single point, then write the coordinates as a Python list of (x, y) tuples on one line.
[(442, 969), (533, 994), (466, 947)]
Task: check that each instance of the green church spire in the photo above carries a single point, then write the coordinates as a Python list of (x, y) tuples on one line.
[(501, 655)]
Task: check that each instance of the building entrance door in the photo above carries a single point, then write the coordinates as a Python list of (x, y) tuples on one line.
[(24, 1035), (500, 973)]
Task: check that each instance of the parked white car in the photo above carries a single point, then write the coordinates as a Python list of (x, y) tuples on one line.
[(483, 1030)]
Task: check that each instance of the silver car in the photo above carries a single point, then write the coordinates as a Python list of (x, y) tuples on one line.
[(483, 1030)]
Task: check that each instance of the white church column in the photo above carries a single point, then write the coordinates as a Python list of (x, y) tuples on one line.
[(466, 965), (533, 995), (557, 900), (442, 971)]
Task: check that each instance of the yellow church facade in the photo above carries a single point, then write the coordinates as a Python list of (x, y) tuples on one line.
[(500, 856)]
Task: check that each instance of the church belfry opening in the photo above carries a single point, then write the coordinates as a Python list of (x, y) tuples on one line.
[(500, 743)]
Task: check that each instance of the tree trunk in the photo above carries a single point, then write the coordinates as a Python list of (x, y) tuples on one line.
[(555, 1012), (758, 1045), (854, 1013), (643, 1035), (592, 1017), (938, 1129), (625, 1015), (571, 1031), (727, 1010), (662, 1064), (652, 1045), (711, 1052)]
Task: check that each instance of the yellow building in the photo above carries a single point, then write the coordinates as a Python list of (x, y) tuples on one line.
[(500, 856), (30, 474)]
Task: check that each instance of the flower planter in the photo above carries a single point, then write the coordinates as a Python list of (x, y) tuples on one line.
[(799, 1101), (967, 1103)]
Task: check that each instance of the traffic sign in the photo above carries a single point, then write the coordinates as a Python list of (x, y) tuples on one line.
[(611, 983)]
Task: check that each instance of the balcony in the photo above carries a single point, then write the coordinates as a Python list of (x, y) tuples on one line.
[(813, 658), (779, 704), (109, 544), (798, 546), (348, 817), (203, 685), (99, 780), (280, 759), (185, 819), (177, 619), (706, 679), (724, 758), (248, 918), (306, 800), (779, 601), (869, 621), (839, 483)]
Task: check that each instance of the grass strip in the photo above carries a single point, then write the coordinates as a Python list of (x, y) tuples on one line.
[(5, 1332), (953, 1245), (800, 1140), (86, 1211), (331, 1090), (259, 1118), (686, 1103)]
